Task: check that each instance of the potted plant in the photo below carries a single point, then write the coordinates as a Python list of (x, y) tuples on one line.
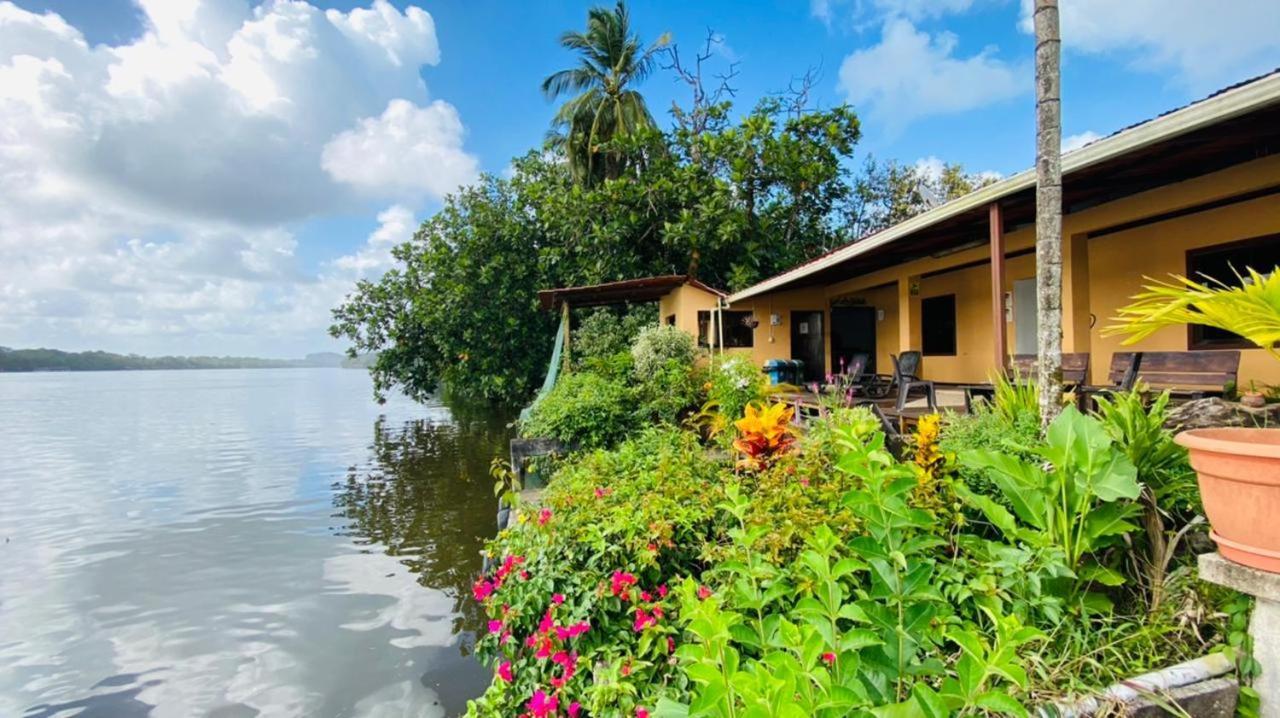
[(1253, 398), (1238, 468)]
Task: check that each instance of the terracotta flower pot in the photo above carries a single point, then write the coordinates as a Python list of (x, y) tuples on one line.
[(1239, 473)]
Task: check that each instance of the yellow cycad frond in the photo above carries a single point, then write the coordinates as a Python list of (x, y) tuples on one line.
[(1251, 309)]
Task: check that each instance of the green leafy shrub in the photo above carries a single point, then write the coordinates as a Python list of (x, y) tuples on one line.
[(667, 394), (584, 409), (588, 580), (732, 384), (657, 345), (603, 334)]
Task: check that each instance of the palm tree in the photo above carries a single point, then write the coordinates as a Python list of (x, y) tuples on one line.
[(1048, 207), (611, 62)]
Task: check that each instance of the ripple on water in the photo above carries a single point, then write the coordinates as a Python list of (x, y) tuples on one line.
[(237, 543)]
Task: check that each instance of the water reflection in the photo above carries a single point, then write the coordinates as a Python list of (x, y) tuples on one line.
[(236, 544), (434, 527)]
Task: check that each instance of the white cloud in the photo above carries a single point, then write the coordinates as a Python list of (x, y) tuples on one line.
[(408, 150), (150, 191), (910, 74), (395, 227), (878, 10), (1207, 44), (1075, 142)]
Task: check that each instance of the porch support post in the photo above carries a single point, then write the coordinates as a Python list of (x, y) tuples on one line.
[(996, 221), (568, 332)]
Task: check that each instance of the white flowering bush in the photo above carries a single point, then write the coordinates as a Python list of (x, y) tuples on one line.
[(658, 346), (734, 383)]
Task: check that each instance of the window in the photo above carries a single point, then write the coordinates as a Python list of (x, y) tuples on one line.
[(739, 330), (1221, 263), (671, 320), (938, 325)]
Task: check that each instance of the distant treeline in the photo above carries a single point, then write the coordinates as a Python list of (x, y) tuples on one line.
[(14, 360)]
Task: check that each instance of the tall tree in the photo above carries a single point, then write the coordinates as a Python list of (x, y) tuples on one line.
[(1049, 207), (612, 61)]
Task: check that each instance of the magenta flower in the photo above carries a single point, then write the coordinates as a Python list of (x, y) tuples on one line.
[(642, 713), (662, 591), (542, 705), (482, 589), (495, 626), (573, 709), (829, 658), (504, 671), (544, 516), (557, 598), (704, 593), (644, 620), (621, 582)]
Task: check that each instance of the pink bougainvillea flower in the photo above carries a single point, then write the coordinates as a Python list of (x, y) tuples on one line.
[(671, 645), (574, 708), (662, 591), (704, 593), (542, 705), (482, 589), (524, 575), (645, 596), (495, 626), (653, 547), (547, 623), (504, 671), (643, 620), (621, 582), (829, 658), (601, 492), (544, 516), (544, 648), (642, 713), (557, 598), (626, 669), (657, 612), (579, 628)]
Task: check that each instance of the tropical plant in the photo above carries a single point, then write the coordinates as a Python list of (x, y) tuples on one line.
[(584, 410), (1251, 309), (1078, 509), (612, 61), (656, 345), (764, 433), (603, 333), (1169, 499)]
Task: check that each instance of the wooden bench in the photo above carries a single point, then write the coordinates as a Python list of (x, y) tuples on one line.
[(1075, 372), (1121, 376), (1192, 375)]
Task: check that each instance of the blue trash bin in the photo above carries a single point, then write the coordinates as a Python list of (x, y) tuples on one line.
[(777, 370)]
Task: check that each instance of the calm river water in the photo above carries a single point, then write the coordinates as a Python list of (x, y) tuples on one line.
[(237, 543)]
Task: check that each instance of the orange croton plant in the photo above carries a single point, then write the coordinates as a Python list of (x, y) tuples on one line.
[(764, 433)]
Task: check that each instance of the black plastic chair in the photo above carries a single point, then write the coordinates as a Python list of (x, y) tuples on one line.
[(906, 376)]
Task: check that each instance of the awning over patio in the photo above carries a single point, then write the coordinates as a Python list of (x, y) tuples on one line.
[(645, 289)]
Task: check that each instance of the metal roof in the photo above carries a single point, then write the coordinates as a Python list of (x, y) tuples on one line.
[(645, 289)]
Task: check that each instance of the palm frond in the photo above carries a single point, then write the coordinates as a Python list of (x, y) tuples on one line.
[(1250, 309)]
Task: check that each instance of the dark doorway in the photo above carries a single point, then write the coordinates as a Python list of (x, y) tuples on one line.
[(853, 331), (807, 344)]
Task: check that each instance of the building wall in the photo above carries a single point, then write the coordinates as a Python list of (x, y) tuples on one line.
[(1099, 275), (685, 302)]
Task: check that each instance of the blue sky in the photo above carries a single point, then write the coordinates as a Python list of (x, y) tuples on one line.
[(245, 168)]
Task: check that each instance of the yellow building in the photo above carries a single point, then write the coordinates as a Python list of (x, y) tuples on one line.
[(1194, 191)]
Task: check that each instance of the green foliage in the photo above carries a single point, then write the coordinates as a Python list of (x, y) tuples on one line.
[(668, 393), (1077, 509), (658, 345), (1250, 308), (603, 334), (732, 384), (989, 429), (585, 410), (618, 528), (612, 61), (1170, 500)]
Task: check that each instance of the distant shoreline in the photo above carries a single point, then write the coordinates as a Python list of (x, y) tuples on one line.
[(28, 361)]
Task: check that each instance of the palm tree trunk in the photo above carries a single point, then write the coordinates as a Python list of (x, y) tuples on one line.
[(1049, 207)]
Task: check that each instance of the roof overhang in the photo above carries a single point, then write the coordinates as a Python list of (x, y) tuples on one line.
[(646, 289), (1238, 101)]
